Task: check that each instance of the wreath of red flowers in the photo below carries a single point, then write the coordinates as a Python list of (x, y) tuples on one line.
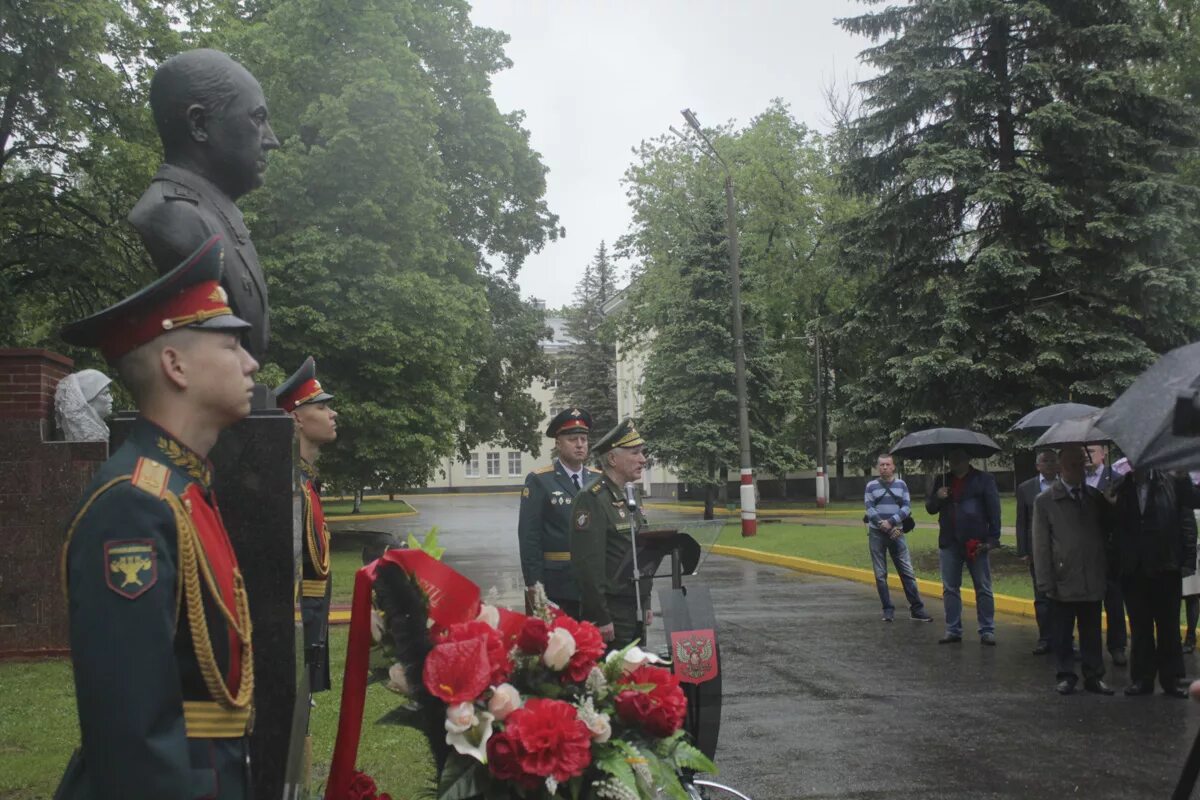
[(661, 710)]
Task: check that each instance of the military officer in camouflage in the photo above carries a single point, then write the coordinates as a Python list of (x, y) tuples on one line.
[(543, 529), (601, 549), (159, 620), (301, 396)]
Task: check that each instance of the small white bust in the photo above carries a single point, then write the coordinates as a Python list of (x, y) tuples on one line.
[(82, 402)]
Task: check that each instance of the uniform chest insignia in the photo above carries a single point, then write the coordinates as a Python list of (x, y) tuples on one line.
[(621, 513), (130, 566), (582, 519)]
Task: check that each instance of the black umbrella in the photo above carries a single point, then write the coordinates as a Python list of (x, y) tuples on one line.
[(1074, 431), (940, 442), (1040, 419), (1140, 419)]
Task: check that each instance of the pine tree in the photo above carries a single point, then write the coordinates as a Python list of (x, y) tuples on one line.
[(587, 371), (1025, 243)]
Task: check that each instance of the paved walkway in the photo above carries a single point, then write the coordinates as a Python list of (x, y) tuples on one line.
[(822, 700)]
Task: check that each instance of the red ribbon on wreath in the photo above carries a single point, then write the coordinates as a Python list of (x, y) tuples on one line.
[(452, 598)]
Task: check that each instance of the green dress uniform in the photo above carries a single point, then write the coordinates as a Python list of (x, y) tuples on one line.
[(544, 532), (159, 632), (602, 558), (158, 617), (316, 585)]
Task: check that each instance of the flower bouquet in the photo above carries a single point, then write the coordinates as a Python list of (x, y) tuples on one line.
[(519, 706)]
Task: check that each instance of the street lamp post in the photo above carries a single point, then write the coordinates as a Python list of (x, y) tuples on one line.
[(749, 515)]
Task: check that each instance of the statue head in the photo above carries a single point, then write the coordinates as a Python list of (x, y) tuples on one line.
[(82, 401), (212, 118)]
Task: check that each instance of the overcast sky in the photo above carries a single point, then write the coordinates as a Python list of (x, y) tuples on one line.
[(596, 77)]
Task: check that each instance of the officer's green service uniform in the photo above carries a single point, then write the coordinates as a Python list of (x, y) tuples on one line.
[(159, 620), (544, 526), (601, 549)]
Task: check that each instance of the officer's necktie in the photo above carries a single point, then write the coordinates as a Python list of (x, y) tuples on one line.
[(575, 479), (1075, 494)]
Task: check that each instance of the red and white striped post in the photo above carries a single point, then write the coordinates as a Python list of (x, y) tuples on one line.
[(749, 511), (822, 492)]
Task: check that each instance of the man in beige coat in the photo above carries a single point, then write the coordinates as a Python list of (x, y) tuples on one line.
[(1069, 535)]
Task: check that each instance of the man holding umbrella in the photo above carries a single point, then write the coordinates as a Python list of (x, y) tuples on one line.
[(967, 503)]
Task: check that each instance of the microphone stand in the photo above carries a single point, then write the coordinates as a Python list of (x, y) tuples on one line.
[(631, 503)]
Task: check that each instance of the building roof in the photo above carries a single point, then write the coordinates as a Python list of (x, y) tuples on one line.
[(560, 340)]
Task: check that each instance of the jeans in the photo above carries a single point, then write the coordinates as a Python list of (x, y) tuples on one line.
[(881, 544), (951, 562)]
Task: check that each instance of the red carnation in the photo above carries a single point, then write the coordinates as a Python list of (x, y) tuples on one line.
[(661, 710), (589, 647), (504, 761), (533, 637), (549, 739), (499, 664), (457, 672), (362, 787)]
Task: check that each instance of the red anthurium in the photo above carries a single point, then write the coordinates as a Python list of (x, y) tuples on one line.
[(457, 672)]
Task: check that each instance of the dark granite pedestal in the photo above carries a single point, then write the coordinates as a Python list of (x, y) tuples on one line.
[(255, 486)]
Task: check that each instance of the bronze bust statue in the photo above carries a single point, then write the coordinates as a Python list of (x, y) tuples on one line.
[(212, 118)]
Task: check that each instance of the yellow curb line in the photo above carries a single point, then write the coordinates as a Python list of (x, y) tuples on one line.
[(1008, 604), (357, 517), (462, 494)]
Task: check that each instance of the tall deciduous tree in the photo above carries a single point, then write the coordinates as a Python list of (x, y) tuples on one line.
[(398, 182), (1025, 240), (679, 307), (587, 371)]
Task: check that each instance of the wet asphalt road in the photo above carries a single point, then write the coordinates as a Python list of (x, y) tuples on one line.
[(822, 700)]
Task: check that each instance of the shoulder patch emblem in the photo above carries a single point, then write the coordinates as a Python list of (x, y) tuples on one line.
[(150, 476), (525, 492), (130, 566), (582, 519)]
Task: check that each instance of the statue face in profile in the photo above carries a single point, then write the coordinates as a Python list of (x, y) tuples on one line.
[(239, 136)]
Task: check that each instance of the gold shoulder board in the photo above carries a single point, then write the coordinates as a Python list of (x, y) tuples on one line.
[(544, 470), (151, 477)]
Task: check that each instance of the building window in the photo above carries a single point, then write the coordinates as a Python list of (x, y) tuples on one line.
[(514, 464), (473, 465), (493, 465)]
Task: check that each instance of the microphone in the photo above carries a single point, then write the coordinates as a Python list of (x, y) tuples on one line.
[(631, 495)]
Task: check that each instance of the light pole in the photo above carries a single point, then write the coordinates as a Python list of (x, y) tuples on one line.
[(749, 516)]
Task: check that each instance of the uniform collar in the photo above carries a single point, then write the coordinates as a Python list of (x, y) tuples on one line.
[(309, 471), (201, 184), (182, 459)]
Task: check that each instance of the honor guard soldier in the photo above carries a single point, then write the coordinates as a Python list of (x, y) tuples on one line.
[(159, 618), (543, 529), (601, 547), (316, 424)]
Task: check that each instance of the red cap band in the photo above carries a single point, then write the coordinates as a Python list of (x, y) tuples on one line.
[(196, 303), (304, 392)]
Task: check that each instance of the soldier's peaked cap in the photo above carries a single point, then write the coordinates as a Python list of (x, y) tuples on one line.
[(189, 296), (623, 435), (569, 420), (301, 388)]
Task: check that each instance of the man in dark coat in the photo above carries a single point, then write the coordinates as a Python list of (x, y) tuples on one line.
[(1154, 545), (212, 118), (967, 503), (1027, 492), (159, 616), (1070, 529), (544, 525)]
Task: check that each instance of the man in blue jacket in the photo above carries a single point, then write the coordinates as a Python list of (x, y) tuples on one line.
[(967, 503)]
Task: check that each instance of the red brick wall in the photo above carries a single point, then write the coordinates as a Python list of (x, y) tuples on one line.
[(40, 483)]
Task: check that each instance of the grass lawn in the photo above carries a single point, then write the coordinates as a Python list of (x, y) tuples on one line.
[(346, 507), (38, 731), (853, 509), (839, 544), (343, 565)]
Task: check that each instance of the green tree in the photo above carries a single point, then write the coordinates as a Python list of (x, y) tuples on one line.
[(679, 312), (1025, 239), (397, 183), (77, 146), (587, 371)]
